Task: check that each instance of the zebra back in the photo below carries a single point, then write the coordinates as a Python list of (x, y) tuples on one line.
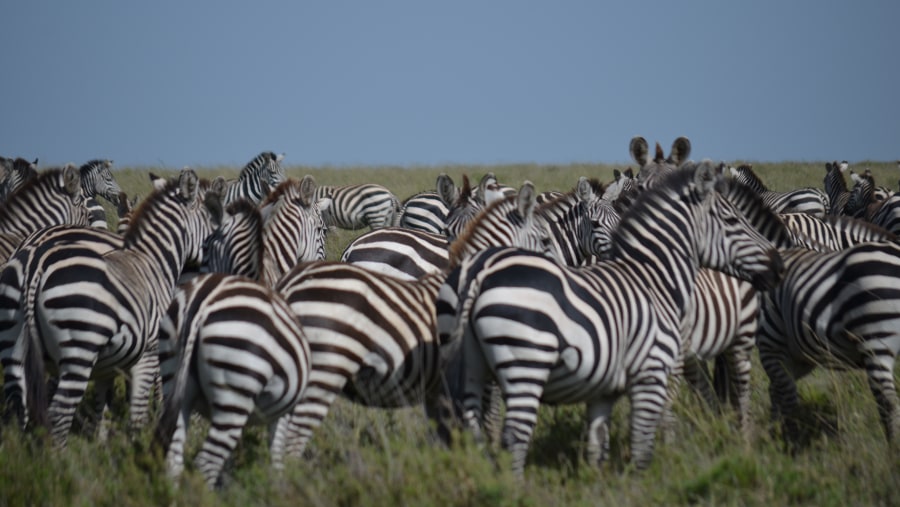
[(833, 233), (424, 211), (257, 178)]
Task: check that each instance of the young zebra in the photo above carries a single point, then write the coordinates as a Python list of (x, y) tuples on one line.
[(119, 297), (374, 337), (650, 170), (236, 352), (257, 178), (555, 335), (16, 172), (358, 206), (802, 200), (53, 197), (97, 180), (839, 310)]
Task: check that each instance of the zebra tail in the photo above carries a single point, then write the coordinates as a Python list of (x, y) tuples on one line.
[(36, 398), (172, 404), (455, 365), (721, 379)]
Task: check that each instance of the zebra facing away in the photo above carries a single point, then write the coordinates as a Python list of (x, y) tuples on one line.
[(358, 206), (801, 200), (239, 356), (53, 197), (660, 164), (256, 179), (556, 335), (839, 310), (425, 211), (119, 297), (374, 337)]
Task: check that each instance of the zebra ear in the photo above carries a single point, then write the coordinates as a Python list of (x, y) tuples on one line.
[(187, 184), (71, 179), (583, 189), (446, 189), (629, 173), (616, 174), (158, 182), (307, 189), (639, 150), (681, 150), (525, 200)]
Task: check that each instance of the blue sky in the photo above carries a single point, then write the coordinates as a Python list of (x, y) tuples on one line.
[(425, 82)]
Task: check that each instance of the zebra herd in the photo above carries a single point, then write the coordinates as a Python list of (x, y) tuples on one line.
[(479, 303)]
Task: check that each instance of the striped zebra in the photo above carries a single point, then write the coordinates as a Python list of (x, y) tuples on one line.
[(839, 310), (235, 352), (119, 297), (623, 181), (53, 197), (358, 206), (554, 335), (124, 210), (257, 178), (888, 214), (836, 187), (98, 180), (16, 172), (424, 211), (660, 164), (401, 252), (294, 227), (374, 337), (801, 200)]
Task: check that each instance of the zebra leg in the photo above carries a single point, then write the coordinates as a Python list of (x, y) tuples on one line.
[(783, 371), (649, 402), (474, 387), (98, 422), (599, 413), (522, 400), (12, 358), (492, 403), (309, 412), (697, 376), (738, 365), (73, 381), (278, 441), (880, 372), (144, 376), (175, 452)]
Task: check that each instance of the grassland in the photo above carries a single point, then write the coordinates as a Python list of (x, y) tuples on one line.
[(379, 457)]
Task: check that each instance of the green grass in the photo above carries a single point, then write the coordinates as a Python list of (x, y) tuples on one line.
[(364, 456)]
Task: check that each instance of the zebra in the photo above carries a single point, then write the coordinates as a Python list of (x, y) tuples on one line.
[(374, 337), (888, 214), (424, 211), (358, 206), (801, 200), (652, 169), (622, 181), (53, 197), (16, 172), (836, 187), (401, 252), (294, 227), (839, 310), (552, 334), (257, 178), (97, 179), (124, 210), (233, 349), (119, 297)]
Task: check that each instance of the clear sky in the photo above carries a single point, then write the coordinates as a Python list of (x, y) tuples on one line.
[(169, 84)]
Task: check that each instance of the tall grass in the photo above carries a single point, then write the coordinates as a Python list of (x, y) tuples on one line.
[(363, 456)]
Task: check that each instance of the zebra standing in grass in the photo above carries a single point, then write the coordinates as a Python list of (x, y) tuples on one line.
[(53, 197), (119, 297), (239, 355), (839, 310), (802, 200), (97, 180), (16, 172), (553, 335), (257, 178), (374, 337), (357, 206)]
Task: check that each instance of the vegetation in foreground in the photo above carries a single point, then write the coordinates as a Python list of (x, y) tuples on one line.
[(367, 456)]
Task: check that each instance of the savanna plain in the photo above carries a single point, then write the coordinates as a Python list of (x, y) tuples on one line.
[(368, 456)]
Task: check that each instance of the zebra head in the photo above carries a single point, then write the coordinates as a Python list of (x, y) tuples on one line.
[(311, 222), (462, 206), (650, 170), (97, 179), (236, 247), (271, 171), (602, 215), (738, 239), (622, 182)]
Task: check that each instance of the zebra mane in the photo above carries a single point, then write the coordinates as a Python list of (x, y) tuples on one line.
[(745, 174), (257, 162), (763, 218), (506, 206), (285, 187), (254, 217), (834, 176)]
